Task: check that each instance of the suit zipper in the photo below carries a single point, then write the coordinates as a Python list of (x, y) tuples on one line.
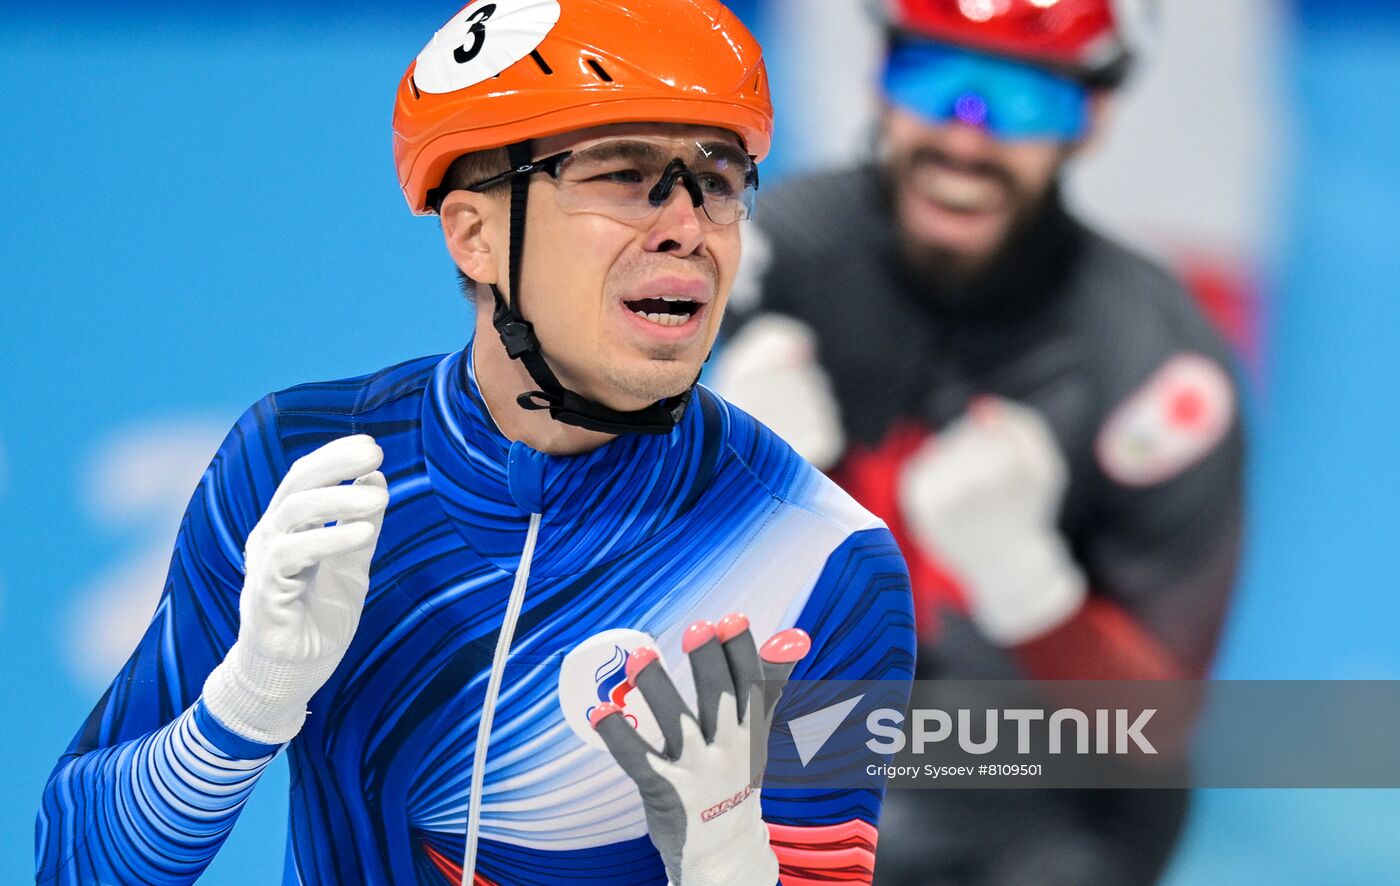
[(493, 689)]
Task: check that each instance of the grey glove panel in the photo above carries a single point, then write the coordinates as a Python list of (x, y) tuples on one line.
[(775, 676), (666, 705), (664, 811), (713, 679)]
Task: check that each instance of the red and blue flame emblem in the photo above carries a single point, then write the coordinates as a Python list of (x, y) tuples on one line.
[(613, 685)]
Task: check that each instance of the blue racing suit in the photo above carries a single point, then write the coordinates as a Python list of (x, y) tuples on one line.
[(646, 533)]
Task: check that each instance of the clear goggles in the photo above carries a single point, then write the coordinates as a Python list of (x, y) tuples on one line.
[(1009, 99), (629, 178)]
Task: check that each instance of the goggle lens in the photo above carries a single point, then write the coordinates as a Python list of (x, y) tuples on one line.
[(1009, 99)]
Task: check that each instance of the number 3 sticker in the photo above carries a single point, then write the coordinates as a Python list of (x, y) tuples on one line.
[(483, 40), (461, 55)]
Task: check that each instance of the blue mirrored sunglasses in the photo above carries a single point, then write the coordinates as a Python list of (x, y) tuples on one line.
[(1009, 99)]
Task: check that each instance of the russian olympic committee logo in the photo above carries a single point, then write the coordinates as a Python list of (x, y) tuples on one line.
[(595, 672)]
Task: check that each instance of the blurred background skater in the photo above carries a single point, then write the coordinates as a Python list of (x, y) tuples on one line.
[(1043, 417)]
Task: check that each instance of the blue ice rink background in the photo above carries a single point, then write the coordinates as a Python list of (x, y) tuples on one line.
[(199, 206)]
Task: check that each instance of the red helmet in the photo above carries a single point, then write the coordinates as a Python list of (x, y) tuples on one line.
[(504, 71), (1091, 39)]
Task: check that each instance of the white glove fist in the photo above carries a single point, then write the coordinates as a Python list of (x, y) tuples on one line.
[(304, 588), (984, 497), (770, 371)]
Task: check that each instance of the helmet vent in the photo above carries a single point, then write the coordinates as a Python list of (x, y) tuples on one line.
[(598, 69), (539, 60)]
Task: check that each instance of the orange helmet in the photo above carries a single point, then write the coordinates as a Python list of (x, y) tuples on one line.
[(504, 72)]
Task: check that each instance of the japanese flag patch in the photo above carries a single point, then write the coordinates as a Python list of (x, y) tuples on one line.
[(1169, 424)]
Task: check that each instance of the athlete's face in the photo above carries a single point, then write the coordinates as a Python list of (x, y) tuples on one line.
[(959, 193), (590, 280)]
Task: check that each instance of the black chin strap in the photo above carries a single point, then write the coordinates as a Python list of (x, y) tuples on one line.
[(518, 336)]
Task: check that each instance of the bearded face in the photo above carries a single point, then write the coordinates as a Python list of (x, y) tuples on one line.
[(960, 195)]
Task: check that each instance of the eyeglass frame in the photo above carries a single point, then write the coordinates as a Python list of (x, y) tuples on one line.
[(554, 162)]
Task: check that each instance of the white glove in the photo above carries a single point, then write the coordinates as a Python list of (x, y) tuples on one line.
[(770, 371), (303, 590), (983, 497), (701, 791)]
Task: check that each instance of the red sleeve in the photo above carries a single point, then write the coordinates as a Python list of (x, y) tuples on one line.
[(1101, 642)]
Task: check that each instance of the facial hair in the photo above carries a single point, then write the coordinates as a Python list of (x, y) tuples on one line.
[(956, 279)]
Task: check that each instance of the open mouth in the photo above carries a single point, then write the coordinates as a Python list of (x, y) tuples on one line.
[(665, 310), (959, 192), (959, 186)]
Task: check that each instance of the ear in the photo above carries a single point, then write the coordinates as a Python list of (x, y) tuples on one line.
[(464, 217)]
